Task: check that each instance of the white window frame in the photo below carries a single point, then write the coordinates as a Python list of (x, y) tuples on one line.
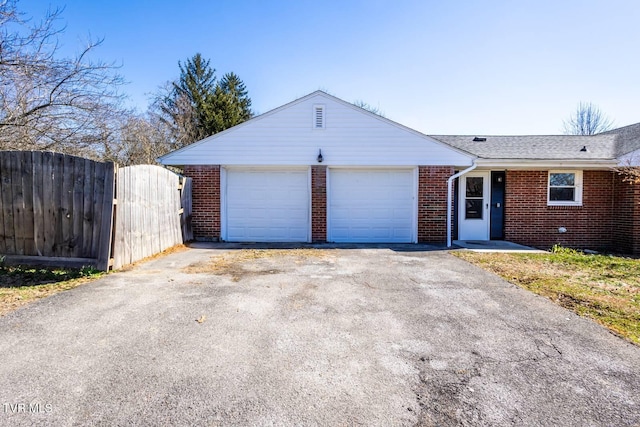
[(324, 117), (577, 189)]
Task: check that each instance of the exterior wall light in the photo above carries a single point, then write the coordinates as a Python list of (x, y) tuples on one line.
[(320, 158)]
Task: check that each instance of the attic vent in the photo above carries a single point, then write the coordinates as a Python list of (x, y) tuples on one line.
[(479, 139), (318, 116)]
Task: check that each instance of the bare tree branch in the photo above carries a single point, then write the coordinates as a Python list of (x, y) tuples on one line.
[(587, 120), (47, 102), (366, 106)]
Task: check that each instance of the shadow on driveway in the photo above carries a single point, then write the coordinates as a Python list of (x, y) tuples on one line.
[(396, 247)]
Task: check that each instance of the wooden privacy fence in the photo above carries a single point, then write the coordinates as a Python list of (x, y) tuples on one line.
[(148, 212), (58, 209), (55, 207)]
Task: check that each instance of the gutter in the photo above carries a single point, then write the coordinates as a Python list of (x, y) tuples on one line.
[(545, 164), (449, 196)]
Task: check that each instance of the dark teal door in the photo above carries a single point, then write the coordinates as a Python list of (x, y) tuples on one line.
[(497, 205)]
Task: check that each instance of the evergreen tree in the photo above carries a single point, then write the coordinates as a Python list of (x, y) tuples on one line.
[(198, 105), (237, 94), (231, 103)]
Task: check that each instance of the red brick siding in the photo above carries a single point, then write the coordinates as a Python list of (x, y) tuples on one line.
[(529, 221), (432, 203), (319, 203), (609, 217), (626, 227), (205, 196)]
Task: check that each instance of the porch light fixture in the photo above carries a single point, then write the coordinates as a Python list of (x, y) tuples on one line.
[(584, 149), (320, 158)]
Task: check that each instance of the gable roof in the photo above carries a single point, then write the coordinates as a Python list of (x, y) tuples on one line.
[(286, 136), (627, 139), (379, 137)]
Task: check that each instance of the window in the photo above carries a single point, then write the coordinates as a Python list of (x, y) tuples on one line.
[(318, 116), (565, 188), (474, 197)]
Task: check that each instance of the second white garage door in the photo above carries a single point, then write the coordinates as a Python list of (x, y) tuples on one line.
[(371, 205), (267, 205)]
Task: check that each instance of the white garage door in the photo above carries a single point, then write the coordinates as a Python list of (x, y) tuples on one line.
[(371, 206), (267, 206)]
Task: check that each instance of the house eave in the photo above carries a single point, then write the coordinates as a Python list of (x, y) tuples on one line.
[(543, 164)]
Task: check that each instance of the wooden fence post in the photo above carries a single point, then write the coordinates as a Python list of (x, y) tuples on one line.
[(106, 228), (185, 203)]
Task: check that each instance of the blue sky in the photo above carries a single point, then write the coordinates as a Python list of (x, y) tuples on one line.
[(440, 67)]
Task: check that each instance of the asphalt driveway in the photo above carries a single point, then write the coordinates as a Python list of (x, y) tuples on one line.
[(367, 336)]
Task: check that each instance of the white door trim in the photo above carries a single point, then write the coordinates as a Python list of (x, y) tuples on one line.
[(310, 211), (223, 203), (416, 207), (328, 205), (481, 230)]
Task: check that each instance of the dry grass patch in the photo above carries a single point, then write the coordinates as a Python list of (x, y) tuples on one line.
[(172, 250), (235, 262), (20, 285), (603, 287)]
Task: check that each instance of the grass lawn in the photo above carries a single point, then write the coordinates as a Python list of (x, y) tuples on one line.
[(21, 285), (605, 288)]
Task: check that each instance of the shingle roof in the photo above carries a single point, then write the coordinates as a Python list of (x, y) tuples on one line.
[(603, 146), (628, 138)]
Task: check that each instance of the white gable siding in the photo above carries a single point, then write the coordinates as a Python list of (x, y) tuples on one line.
[(630, 159), (287, 136)]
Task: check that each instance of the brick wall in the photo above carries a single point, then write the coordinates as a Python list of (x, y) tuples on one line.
[(319, 203), (626, 226), (608, 219), (432, 203), (529, 221), (205, 201)]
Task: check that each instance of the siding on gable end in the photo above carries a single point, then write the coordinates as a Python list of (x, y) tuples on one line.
[(630, 159), (287, 137)]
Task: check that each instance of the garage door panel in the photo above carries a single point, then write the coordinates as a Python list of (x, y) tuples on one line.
[(402, 233), (371, 205), (402, 213), (267, 206)]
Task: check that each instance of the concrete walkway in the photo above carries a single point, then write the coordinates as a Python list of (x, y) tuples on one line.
[(494, 246)]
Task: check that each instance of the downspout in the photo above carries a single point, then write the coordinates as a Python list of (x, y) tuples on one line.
[(449, 195)]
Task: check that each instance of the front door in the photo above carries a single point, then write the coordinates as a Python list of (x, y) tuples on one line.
[(473, 205), (497, 205)]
